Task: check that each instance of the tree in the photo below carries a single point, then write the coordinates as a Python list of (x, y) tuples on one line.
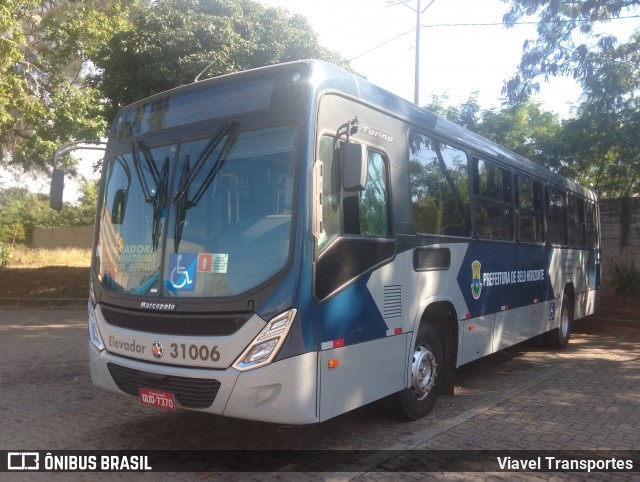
[(598, 146), (44, 61), (173, 41), (524, 128), (466, 114), (567, 44), (21, 211)]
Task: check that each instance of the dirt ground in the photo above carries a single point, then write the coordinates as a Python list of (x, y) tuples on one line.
[(45, 282)]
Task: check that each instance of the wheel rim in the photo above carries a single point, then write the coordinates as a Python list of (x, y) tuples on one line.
[(564, 323), (423, 372)]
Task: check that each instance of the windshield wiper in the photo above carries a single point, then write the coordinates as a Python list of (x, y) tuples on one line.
[(160, 202), (182, 206), (228, 146), (181, 198), (187, 180)]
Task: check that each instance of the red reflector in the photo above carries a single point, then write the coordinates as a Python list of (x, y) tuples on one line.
[(397, 331), (468, 316), (338, 343)]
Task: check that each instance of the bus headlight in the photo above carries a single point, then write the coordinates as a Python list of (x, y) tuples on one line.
[(94, 331), (265, 346)]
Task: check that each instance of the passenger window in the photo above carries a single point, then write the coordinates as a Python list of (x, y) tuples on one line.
[(576, 222), (492, 189), (592, 224), (439, 187), (556, 216), (529, 211)]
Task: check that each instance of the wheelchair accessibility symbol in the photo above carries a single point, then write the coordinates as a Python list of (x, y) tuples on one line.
[(182, 270)]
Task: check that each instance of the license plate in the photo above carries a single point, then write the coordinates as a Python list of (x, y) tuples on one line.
[(158, 399)]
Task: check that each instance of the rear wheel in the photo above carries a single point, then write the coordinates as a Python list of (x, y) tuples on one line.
[(426, 376), (559, 337)]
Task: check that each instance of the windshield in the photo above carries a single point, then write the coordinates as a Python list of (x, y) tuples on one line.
[(207, 217)]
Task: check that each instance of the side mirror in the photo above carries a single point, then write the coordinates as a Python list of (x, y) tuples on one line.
[(56, 190), (355, 166)]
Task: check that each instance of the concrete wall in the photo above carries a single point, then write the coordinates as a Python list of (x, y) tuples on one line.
[(620, 223), (70, 237)]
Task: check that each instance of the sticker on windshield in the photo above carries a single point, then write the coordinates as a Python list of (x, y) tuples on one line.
[(182, 270), (213, 263)]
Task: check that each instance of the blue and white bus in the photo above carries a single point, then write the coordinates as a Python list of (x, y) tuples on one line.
[(292, 242)]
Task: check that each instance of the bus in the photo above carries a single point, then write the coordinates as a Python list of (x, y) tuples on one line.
[(292, 242)]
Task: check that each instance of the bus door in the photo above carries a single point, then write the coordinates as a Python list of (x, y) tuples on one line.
[(357, 285)]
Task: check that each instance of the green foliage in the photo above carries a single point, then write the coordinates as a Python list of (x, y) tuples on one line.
[(22, 211), (599, 146), (44, 60), (568, 46), (626, 278), (6, 252), (173, 41)]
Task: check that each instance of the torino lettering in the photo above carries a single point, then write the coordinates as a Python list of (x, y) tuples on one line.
[(376, 133)]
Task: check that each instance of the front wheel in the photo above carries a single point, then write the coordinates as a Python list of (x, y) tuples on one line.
[(426, 376)]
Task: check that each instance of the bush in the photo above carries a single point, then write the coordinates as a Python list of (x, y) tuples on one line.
[(5, 254), (626, 278)]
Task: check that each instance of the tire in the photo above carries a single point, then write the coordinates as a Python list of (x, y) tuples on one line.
[(558, 338), (427, 370)]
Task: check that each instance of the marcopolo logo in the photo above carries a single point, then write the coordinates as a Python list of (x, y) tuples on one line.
[(157, 306), (476, 285)]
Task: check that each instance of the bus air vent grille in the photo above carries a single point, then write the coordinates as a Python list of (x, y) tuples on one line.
[(392, 301), (173, 323), (190, 392)]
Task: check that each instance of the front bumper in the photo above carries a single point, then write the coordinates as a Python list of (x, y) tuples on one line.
[(282, 392)]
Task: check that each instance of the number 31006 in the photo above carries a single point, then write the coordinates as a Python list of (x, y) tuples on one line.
[(194, 352)]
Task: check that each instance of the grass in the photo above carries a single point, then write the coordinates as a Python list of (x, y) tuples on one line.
[(23, 257), (45, 274)]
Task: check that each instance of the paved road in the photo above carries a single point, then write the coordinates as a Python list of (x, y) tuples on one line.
[(586, 397)]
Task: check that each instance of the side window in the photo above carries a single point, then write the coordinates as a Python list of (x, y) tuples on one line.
[(556, 216), (363, 213), (373, 207), (576, 222), (529, 210), (492, 189), (439, 187), (592, 224)]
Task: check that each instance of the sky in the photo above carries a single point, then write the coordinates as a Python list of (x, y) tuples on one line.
[(454, 60)]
